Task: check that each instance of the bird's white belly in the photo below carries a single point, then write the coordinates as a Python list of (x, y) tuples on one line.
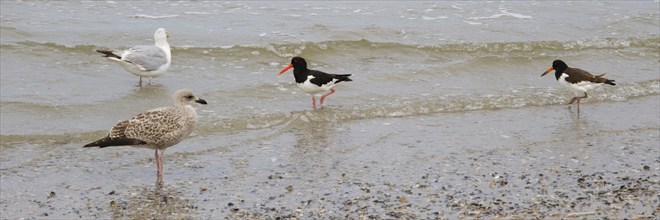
[(580, 87), (136, 70), (312, 88)]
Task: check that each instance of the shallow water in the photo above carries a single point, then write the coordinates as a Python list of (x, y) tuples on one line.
[(446, 97)]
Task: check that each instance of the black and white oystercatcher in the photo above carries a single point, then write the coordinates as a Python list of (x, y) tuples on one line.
[(157, 128), (576, 79), (313, 81)]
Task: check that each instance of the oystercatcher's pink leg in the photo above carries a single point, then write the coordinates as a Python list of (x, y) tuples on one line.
[(577, 98), (578, 101), (323, 97), (313, 101)]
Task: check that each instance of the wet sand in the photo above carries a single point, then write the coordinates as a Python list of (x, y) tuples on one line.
[(531, 162)]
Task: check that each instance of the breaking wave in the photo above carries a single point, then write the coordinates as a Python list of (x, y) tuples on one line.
[(293, 49)]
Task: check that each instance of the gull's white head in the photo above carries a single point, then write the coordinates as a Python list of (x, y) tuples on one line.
[(161, 36)]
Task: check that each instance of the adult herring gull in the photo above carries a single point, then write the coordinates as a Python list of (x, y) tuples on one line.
[(144, 60)]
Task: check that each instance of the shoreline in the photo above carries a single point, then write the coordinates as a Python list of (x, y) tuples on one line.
[(539, 162)]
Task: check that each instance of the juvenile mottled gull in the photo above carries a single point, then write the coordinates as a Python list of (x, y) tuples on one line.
[(144, 60), (157, 128)]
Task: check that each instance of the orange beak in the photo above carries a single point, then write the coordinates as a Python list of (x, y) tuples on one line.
[(547, 71), (285, 69)]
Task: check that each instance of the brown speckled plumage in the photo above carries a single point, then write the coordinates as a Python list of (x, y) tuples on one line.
[(158, 128)]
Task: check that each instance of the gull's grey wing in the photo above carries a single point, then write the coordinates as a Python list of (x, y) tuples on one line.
[(149, 57)]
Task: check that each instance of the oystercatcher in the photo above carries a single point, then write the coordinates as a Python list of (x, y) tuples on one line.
[(576, 79), (144, 60), (314, 81)]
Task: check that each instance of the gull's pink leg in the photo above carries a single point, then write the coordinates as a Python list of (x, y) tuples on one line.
[(157, 158), (323, 97), (160, 163), (159, 168)]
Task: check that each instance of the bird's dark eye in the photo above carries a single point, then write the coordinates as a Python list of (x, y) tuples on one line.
[(189, 97)]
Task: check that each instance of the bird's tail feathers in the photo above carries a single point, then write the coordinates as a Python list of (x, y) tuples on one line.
[(342, 77), (108, 53), (109, 142), (601, 79)]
